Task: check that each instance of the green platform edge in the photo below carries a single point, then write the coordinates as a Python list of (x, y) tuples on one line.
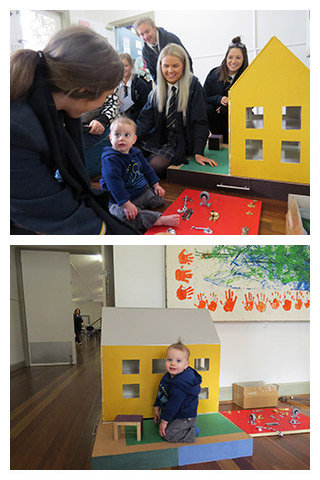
[(137, 461)]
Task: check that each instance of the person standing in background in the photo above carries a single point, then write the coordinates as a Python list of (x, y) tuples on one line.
[(77, 321)]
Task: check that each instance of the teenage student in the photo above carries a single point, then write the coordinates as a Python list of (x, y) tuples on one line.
[(133, 89), (155, 39), (173, 124), (219, 81), (50, 90)]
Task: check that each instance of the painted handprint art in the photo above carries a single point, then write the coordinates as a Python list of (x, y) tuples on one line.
[(241, 283)]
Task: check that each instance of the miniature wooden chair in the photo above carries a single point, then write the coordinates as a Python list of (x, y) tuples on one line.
[(127, 420)]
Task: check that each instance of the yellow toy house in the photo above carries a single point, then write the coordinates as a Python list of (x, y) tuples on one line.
[(133, 350), (269, 118)]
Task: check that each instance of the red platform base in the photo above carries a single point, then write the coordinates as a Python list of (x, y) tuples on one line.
[(235, 214), (264, 416)]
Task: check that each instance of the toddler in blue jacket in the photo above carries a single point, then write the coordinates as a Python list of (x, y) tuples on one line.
[(131, 181), (177, 399)]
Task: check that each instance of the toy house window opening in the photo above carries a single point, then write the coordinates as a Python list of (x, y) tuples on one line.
[(291, 118), (254, 117), (131, 390), (204, 393), (159, 365), (254, 149), (201, 364), (290, 152), (130, 367)]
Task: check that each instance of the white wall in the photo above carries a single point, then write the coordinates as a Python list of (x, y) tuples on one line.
[(206, 34), (272, 352), (139, 275), (48, 302)]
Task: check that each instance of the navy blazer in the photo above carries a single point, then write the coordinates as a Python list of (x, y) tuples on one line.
[(215, 89), (192, 136), (151, 57), (140, 89), (39, 202)]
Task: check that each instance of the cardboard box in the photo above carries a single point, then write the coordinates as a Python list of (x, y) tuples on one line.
[(255, 394), (298, 215)]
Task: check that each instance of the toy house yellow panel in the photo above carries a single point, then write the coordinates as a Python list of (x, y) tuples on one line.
[(133, 349), (269, 118)]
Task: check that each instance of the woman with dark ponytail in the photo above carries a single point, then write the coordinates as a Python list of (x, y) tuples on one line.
[(218, 83), (50, 187)]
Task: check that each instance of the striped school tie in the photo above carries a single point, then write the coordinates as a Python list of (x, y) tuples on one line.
[(125, 90), (171, 116)]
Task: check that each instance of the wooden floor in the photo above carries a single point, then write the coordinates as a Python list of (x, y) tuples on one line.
[(55, 410), (273, 212)]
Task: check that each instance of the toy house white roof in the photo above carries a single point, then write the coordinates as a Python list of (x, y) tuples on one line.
[(157, 326)]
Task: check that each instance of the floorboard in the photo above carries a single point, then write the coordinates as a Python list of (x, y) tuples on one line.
[(55, 410)]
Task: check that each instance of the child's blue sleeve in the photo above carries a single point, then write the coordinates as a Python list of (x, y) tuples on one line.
[(112, 180), (173, 404)]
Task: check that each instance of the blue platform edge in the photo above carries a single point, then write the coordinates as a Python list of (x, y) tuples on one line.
[(213, 452)]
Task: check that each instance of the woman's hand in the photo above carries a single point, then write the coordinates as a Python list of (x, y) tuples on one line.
[(96, 128), (203, 160), (224, 101)]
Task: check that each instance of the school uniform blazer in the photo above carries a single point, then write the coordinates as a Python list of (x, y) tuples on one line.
[(215, 89), (151, 57), (39, 202), (192, 135), (140, 90)]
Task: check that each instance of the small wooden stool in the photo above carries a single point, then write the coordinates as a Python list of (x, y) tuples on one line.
[(127, 420)]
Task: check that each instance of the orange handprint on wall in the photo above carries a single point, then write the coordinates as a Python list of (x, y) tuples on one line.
[(213, 303), (185, 258), (262, 302), (230, 301), (248, 304), (183, 275), (184, 293), (287, 303), (275, 300), (307, 302), (298, 304), (202, 302)]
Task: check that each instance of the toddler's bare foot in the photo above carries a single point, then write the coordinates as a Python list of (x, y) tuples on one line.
[(168, 220)]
